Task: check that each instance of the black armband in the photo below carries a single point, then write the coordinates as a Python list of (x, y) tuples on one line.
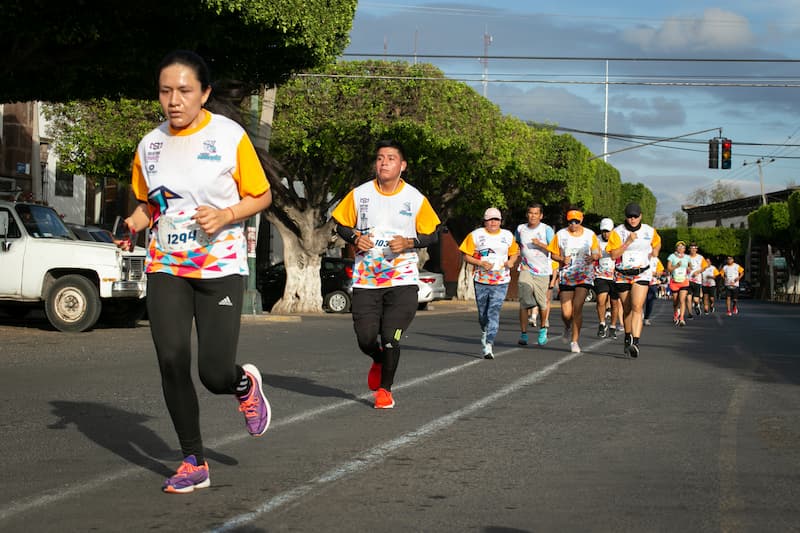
[(347, 233), (423, 240)]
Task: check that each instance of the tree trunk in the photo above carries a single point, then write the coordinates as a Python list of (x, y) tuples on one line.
[(466, 287), (302, 253)]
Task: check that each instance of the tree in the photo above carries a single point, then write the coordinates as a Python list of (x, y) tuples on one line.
[(719, 192), (97, 138), (713, 243), (776, 224), (463, 154), (61, 51), (681, 219), (639, 193)]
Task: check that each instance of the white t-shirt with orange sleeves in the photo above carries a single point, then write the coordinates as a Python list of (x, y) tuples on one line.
[(176, 172), (637, 254), (731, 273), (405, 212), (580, 271), (494, 248), (697, 263), (604, 268), (709, 276), (656, 268)]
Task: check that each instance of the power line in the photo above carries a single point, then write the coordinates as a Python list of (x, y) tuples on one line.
[(585, 58), (477, 79)]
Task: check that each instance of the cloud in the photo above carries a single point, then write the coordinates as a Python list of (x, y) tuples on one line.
[(718, 30), (660, 112)]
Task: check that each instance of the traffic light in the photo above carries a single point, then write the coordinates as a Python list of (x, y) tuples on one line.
[(713, 153), (726, 153)]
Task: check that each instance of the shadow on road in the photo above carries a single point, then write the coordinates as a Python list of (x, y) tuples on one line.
[(124, 434), (308, 387)]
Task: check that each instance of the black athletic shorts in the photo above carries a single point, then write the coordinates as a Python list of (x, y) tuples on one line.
[(696, 289), (606, 285), (625, 287)]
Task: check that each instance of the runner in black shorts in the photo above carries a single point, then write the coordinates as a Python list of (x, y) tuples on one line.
[(632, 244), (604, 286)]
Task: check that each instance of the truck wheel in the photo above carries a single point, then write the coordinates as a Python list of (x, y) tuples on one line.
[(73, 304), (337, 302)]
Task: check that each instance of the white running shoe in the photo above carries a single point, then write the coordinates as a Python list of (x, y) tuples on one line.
[(487, 352), (647, 322), (483, 339), (574, 348)]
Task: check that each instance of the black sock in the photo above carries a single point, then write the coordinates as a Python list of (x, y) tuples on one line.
[(636, 341), (243, 387)]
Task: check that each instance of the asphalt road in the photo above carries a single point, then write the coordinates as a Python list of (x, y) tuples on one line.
[(701, 433)]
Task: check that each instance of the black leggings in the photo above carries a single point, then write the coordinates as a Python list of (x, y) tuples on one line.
[(172, 303), (386, 312), (652, 294)]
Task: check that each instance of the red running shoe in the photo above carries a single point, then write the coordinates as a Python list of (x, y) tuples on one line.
[(383, 399)]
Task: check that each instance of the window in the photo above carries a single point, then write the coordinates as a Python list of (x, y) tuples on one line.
[(13, 229), (64, 183)]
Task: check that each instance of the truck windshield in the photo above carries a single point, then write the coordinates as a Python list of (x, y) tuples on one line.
[(42, 222)]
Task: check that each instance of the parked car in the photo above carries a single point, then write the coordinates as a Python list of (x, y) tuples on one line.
[(336, 275), (431, 287), (91, 233), (42, 264), (745, 289)]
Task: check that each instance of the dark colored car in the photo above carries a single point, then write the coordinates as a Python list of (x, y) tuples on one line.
[(336, 275), (91, 233), (745, 289)]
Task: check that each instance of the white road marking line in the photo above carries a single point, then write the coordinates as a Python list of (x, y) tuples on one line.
[(379, 454), (17, 507), (21, 506)]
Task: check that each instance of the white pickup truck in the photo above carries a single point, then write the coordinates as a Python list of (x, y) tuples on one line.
[(42, 262)]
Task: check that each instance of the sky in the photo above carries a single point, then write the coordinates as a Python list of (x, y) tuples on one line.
[(683, 70)]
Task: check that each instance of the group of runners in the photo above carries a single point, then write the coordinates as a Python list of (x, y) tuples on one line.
[(197, 177), (620, 264), (694, 283)]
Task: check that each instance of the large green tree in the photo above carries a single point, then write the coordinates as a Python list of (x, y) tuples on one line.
[(639, 193), (463, 154), (777, 224), (61, 51), (97, 138)]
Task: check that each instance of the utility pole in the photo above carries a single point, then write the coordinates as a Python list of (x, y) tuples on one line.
[(487, 40), (416, 37), (605, 121)]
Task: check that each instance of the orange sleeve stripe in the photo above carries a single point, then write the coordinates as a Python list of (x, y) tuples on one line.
[(614, 241), (553, 247), (656, 239), (138, 183), (249, 174), (468, 245), (427, 219), (345, 212)]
